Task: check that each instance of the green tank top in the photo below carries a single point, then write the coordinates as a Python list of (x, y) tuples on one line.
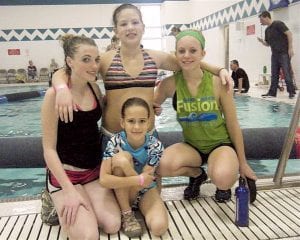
[(200, 117)]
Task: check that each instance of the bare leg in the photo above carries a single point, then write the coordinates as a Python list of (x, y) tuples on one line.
[(155, 212), (223, 167), (180, 159), (85, 226), (105, 207)]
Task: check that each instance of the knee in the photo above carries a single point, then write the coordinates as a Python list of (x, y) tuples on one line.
[(158, 226), (112, 226), (122, 159), (84, 234), (224, 179), (167, 168)]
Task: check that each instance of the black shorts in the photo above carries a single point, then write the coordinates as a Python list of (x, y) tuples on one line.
[(204, 156)]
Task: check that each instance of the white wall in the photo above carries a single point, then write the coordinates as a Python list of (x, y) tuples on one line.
[(187, 12), (251, 54), (44, 17), (215, 46)]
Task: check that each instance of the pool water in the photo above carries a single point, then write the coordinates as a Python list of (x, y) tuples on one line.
[(30, 181), (22, 88), (23, 118), (251, 112)]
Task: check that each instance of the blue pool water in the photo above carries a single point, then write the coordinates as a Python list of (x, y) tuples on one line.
[(30, 181), (23, 119)]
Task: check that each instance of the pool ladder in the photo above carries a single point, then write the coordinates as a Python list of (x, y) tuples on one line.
[(291, 181)]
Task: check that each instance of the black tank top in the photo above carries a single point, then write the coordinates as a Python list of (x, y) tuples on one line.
[(78, 142)]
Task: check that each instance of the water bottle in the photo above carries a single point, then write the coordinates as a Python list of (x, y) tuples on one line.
[(242, 204)]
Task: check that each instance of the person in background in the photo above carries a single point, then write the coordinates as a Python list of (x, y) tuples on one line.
[(175, 31), (280, 39), (240, 78), (115, 42), (31, 71), (53, 66), (129, 167), (72, 151), (207, 115)]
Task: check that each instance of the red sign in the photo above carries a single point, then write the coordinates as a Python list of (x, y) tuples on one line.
[(14, 51), (251, 29)]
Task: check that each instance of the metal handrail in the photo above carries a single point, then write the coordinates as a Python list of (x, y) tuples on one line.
[(287, 145)]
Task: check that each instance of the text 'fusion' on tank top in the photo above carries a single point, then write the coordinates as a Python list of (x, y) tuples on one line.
[(118, 78), (201, 120)]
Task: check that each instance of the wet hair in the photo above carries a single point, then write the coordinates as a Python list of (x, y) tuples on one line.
[(265, 14), (235, 62), (135, 101), (70, 44), (123, 7)]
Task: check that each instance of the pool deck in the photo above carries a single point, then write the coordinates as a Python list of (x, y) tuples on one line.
[(282, 96), (274, 215)]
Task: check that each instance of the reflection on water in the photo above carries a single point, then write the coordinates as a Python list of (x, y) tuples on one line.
[(251, 112), (23, 118), (31, 181), (20, 182)]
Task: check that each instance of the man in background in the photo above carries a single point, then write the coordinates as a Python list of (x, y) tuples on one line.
[(279, 38), (240, 78)]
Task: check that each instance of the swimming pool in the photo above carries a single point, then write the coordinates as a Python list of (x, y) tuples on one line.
[(22, 118)]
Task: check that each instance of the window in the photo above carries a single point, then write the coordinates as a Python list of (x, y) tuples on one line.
[(152, 36)]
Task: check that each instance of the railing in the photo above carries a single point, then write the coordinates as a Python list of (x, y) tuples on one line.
[(284, 156)]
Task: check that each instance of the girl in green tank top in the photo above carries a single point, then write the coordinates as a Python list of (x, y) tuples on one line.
[(206, 112)]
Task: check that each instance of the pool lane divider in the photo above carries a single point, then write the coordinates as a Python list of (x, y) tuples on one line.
[(13, 97)]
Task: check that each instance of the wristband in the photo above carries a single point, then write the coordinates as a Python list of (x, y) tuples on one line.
[(141, 180), (221, 70), (60, 87)]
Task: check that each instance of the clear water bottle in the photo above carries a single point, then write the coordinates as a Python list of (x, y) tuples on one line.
[(242, 204)]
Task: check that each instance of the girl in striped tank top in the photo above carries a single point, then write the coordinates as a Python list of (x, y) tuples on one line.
[(128, 71)]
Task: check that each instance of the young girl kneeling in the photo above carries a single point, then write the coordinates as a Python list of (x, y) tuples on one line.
[(128, 166)]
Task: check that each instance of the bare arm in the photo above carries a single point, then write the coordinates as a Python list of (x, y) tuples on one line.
[(108, 180), (240, 84), (121, 161), (165, 89), (221, 72), (64, 102), (72, 199), (49, 133), (290, 43), (235, 133)]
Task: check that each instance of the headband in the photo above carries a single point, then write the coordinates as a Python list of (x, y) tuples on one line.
[(194, 33)]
